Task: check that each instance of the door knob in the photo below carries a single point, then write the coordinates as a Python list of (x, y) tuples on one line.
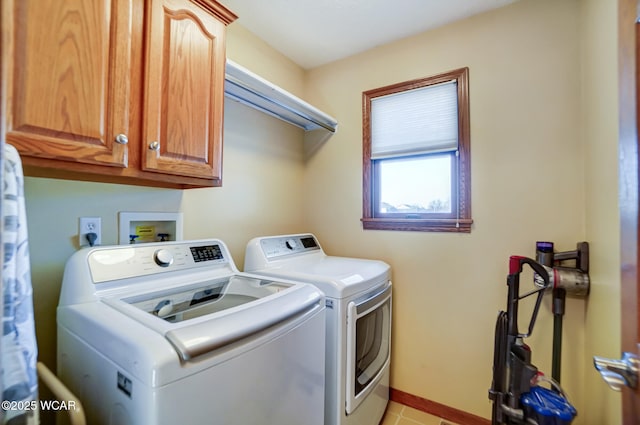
[(618, 373), (154, 146)]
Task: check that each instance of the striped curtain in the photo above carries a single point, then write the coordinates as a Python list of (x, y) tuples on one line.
[(18, 345)]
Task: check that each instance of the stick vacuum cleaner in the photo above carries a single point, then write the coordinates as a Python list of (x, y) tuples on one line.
[(516, 393), (572, 281)]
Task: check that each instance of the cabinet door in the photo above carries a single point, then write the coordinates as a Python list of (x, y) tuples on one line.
[(183, 100), (65, 76)]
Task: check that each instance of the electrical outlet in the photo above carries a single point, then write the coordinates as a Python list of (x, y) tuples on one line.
[(90, 225)]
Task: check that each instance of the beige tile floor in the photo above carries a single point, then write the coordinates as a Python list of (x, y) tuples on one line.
[(398, 414)]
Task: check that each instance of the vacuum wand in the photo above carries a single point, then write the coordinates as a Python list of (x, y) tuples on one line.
[(563, 280)]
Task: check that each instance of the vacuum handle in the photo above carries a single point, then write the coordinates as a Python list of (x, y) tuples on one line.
[(516, 262)]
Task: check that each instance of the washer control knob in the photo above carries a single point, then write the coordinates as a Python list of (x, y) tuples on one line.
[(291, 244), (163, 258)]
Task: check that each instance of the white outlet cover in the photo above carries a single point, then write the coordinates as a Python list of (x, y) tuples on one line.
[(87, 225)]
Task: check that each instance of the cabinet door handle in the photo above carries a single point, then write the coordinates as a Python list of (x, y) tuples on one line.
[(122, 139), (154, 146)]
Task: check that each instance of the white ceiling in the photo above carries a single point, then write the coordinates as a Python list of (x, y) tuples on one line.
[(315, 32)]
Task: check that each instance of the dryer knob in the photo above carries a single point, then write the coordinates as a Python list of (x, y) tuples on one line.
[(163, 258)]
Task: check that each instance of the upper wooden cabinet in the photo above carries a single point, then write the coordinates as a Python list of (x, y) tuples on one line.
[(116, 90), (65, 83), (185, 60)]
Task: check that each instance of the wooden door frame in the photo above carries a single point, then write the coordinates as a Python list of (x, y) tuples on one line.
[(628, 192)]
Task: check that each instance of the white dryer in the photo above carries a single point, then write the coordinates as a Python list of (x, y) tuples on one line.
[(358, 300), (172, 333)]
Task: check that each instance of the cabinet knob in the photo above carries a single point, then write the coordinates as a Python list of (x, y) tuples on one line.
[(154, 146), (122, 139)]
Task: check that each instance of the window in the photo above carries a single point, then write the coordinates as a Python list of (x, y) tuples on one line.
[(416, 155)]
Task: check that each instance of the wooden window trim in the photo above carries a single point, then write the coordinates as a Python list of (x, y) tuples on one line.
[(463, 221)]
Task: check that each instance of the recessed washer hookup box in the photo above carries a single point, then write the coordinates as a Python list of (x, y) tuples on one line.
[(144, 227)]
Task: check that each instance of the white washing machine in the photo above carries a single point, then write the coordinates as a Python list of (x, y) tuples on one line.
[(172, 333), (358, 300)]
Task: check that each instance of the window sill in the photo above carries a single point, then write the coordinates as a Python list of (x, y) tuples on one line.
[(418, 225)]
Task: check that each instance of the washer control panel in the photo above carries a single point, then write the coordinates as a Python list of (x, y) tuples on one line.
[(286, 245), (122, 262)]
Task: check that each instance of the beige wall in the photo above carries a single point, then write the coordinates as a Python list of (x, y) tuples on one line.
[(600, 133), (261, 193), (528, 184), (244, 48)]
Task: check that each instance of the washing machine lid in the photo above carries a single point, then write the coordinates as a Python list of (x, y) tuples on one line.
[(336, 277), (197, 319)]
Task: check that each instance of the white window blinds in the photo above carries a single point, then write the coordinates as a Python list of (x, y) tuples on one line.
[(418, 121)]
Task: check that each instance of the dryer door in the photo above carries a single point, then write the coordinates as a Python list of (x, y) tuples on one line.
[(368, 344)]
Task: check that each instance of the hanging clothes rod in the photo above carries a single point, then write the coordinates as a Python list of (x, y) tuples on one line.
[(252, 90)]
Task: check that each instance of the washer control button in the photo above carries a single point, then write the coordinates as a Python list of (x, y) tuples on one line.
[(163, 258)]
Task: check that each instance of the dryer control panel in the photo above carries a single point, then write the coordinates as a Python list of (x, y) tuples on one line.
[(286, 245)]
